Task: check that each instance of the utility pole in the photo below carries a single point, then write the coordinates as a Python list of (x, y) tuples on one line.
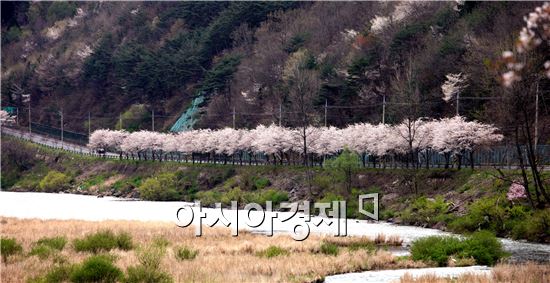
[(457, 102), (153, 119), (233, 117), (536, 115), (384, 108), (61, 113), (89, 124), (280, 113), (326, 106), (30, 114), (120, 120), (17, 116)]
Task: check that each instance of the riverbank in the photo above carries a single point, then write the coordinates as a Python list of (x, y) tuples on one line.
[(63, 249), (217, 256), (460, 201)]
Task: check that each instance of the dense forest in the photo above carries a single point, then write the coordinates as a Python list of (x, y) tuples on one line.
[(263, 62)]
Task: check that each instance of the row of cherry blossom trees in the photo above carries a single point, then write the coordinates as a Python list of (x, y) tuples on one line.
[(449, 136)]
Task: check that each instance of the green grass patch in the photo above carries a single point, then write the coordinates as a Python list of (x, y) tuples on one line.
[(9, 247), (482, 246), (329, 249), (103, 241), (273, 251), (185, 253), (98, 268)]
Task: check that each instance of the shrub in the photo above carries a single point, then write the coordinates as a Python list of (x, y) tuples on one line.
[(9, 247), (329, 249), (54, 181), (273, 195), (61, 10), (185, 253), (272, 251), (435, 249), (98, 268), (482, 246), (150, 258), (424, 210), (60, 273), (57, 243), (160, 188), (140, 274), (260, 183), (103, 241), (41, 251)]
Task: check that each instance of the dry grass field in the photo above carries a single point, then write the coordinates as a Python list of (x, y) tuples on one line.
[(505, 273), (220, 257)]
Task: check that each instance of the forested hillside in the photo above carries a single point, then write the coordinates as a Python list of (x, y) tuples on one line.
[(260, 62)]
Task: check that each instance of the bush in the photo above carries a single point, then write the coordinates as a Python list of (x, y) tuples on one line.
[(140, 274), (103, 241), (185, 253), (482, 246), (9, 247), (329, 249), (273, 195), (42, 251), (60, 273), (426, 211), (98, 268), (150, 259), (61, 10), (260, 183), (57, 243), (54, 181), (160, 188), (272, 251)]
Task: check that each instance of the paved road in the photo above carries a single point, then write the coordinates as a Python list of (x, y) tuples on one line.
[(51, 142)]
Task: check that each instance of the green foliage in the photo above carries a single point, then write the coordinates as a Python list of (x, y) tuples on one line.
[(140, 274), (487, 213), (148, 270), (344, 166), (329, 249), (296, 42), (483, 246), (162, 187), (61, 9), (45, 247), (261, 182), (41, 251), (13, 34), (273, 195), (103, 241), (98, 65), (9, 247), (532, 226), (55, 181), (185, 253), (404, 38), (98, 268), (58, 273), (217, 78), (426, 211), (272, 251), (135, 116)]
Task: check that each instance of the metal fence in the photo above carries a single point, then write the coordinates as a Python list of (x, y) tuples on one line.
[(503, 156)]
